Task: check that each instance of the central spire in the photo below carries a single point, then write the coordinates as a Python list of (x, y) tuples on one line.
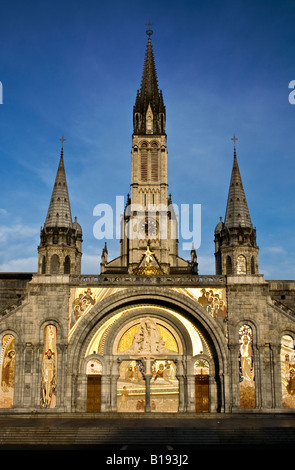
[(149, 112), (153, 222)]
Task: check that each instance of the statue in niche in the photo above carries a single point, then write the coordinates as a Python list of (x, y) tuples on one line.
[(148, 340)]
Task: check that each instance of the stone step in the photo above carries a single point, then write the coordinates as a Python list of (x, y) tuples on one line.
[(143, 436), (19, 431)]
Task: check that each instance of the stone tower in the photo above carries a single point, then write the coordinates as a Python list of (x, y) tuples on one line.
[(236, 251), (60, 246), (149, 219)]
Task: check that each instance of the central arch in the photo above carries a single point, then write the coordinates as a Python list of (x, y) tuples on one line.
[(180, 321)]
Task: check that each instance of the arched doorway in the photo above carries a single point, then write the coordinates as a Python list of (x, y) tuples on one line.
[(201, 370), (149, 368), (108, 330), (93, 371)]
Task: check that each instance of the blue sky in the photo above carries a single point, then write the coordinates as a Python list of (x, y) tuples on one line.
[(72, 68)]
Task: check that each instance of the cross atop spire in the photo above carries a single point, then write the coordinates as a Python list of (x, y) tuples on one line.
[(62, 141), (234, 138), (149, 31)]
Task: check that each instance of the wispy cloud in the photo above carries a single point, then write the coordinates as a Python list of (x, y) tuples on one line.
[(20, 265), (279, 250), (17, 231)]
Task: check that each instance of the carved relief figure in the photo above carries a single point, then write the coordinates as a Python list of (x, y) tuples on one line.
[(148, 340)]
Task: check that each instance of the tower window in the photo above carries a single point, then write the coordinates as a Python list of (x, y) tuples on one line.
[(143, 161), (154, 165), (67, 265), (54, 264), (43, 267), (252, 265), (228, 265)]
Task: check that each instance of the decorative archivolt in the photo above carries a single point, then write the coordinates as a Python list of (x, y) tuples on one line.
[(170, 337), (147, 337)]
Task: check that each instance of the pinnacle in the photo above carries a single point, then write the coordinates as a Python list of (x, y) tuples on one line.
[(149, 94), (237, 212), (59, 211)]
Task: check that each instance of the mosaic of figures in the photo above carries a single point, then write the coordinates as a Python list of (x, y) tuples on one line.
[(211, 299), (131, 387), (49, 368), (148, 338), (82, 300), (246, 368), (164, 387), (288, 371), (7, 371)]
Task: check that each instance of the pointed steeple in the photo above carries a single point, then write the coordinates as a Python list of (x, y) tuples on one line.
[(149, 97), (59, 211), (236, 251), (60, 247), (237, 212)]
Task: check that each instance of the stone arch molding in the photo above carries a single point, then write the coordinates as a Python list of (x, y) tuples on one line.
[(113, 316), (128, 298)]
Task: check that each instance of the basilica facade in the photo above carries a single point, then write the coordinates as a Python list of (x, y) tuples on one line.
[(148, 333)]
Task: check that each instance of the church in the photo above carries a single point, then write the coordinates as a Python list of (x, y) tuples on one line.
[(148, 333)]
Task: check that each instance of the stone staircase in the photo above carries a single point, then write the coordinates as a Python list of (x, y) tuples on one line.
[(151, 435)]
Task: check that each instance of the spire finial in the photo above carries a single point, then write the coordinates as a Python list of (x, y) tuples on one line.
[(62, 142), (149, 31), (234, 138)]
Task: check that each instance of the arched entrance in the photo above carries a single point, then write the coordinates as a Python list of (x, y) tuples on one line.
[(202, 395), (93, 371), (181, 332), (150, 352)]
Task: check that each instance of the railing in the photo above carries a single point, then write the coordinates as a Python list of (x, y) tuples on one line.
[(284, 307), (125, 279)]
